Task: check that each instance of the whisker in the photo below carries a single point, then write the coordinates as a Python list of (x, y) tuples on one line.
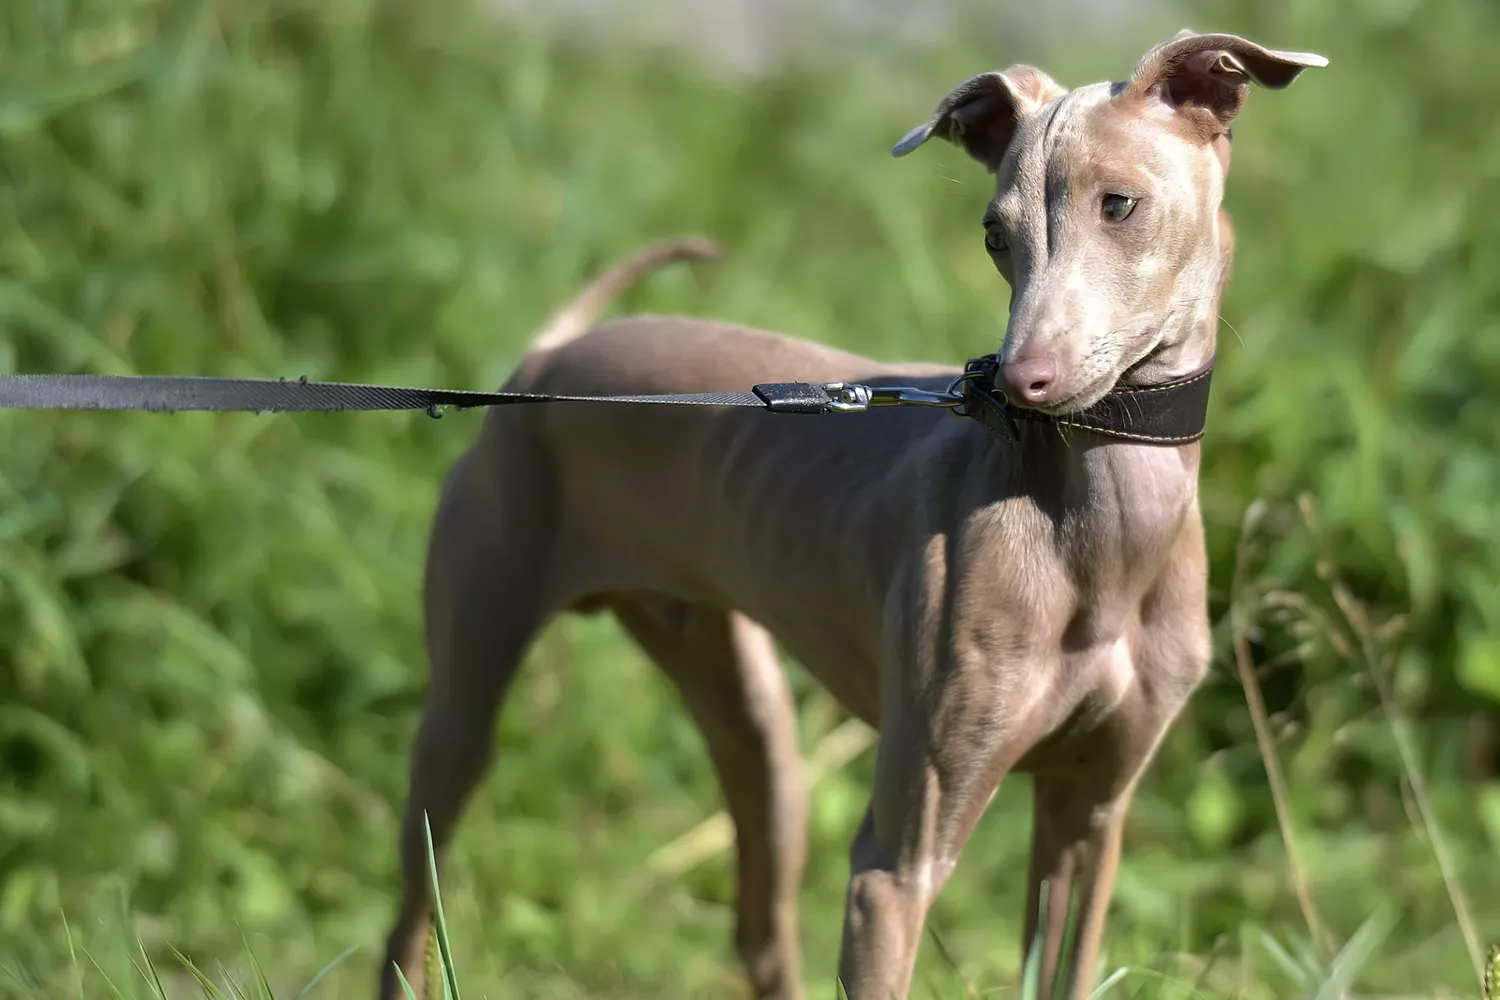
[(1233, 330)]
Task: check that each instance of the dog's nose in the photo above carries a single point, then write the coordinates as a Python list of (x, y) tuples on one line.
[(1029, 381)]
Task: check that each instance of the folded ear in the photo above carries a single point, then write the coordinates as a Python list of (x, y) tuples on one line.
[(1206, 77), (981, 113)]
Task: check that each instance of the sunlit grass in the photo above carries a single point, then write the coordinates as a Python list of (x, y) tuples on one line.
[(137, 976)]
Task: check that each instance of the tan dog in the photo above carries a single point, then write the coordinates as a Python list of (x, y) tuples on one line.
[(1035, 605)]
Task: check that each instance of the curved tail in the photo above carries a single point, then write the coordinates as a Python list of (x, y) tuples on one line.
[(579, 315)]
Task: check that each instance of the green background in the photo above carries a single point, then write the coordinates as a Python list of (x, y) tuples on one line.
[(210, 663)]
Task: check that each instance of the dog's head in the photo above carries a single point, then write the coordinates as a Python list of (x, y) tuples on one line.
[(1105, 220)]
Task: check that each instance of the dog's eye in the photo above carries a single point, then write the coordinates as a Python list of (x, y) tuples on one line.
[(994, 238), (1116, 207)]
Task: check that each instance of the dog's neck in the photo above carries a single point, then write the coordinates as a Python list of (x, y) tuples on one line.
[(1117, 507), (1116, 510)]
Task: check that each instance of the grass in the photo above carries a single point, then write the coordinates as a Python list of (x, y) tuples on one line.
[(1319, 982), (210, 662)]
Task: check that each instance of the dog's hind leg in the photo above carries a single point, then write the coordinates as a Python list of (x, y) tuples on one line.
[(485, 600), (726, 668)]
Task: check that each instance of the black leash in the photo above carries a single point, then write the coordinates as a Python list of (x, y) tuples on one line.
[(171, 393), (1170, 413)]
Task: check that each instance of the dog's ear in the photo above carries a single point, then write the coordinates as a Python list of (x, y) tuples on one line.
[(1206, 77), (981, 113)]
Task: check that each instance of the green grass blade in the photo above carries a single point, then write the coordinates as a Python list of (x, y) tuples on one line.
[(73, 955), (326, 970), (149, 973), (21, 984), (1031, 973), (1353, 956), (948, 960), (411, 994), (1283, 958), (103, 975), (450, 976), (1110, 980), (1070, 932), (234, 986), (210, 990), (1153, 975), (263, 989)]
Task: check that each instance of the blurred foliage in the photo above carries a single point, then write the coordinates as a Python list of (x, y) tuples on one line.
[(211, 656)]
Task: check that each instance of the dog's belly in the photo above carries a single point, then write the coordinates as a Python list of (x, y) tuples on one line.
[(838, 658), (765, 514)]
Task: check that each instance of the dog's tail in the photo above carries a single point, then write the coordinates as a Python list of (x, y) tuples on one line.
[(578, 315)]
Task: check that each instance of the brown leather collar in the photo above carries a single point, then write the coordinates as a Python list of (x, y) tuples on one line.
[(1171, 413)]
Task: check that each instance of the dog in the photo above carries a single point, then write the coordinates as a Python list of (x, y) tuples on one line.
[(1025, 594)]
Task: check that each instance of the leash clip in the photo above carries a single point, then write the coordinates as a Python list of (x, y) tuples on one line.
[(850, 397), (847, 397), (988, 407)]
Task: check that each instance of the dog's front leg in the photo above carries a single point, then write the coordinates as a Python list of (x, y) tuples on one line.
[(1075, 852), (939, 761), (1082, 788)]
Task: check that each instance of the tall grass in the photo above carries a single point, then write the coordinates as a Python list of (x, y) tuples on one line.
[(211, 659)]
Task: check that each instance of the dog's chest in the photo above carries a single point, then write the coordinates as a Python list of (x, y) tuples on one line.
[(1115, 524), (1062, 570)]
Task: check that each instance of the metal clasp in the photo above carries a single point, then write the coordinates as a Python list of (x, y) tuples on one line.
[(852, 397), (956, 390), (848, 397)]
